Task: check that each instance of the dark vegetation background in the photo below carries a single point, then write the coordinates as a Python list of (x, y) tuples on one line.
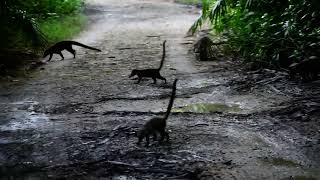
[(28, 26)]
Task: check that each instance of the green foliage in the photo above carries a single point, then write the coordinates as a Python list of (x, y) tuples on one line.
[(41, 9), (22, 23), (15, 23), (55, 28), (272, 33)]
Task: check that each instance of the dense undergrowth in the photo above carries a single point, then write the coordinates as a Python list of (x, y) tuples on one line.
[(266, 33), (32, 24)]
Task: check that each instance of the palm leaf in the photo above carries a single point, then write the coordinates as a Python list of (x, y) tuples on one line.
[(218, 9), (203, 16), (248, 4), (214, 11)]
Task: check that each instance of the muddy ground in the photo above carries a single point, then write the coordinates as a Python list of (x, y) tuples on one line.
[(77, 118)]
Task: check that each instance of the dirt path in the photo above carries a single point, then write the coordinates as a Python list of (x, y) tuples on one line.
[(78, 117)]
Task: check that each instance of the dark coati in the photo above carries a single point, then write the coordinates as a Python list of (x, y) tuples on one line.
[(308, 69), (65, 45), (153, 73), (204, 49), (158, 124)]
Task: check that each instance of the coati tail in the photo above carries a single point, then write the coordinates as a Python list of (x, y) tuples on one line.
[(163, 54), (85, 46), (173, 94)]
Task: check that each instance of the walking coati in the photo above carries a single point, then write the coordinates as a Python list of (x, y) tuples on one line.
[(153, 73), (308, 69), (65, 45), (158, 124)]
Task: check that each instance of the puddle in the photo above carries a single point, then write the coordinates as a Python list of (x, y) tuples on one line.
[(24, 117), (207, 108), (27, 121)]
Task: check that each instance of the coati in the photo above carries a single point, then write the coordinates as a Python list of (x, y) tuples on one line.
[(308, 69), (153, 73), (158, 124), (204, 49), (65, 45)]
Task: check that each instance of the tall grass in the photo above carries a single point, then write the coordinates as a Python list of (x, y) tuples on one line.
[(57, 29)]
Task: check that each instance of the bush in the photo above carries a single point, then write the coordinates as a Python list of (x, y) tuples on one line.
[(20, 21), (271, 33)]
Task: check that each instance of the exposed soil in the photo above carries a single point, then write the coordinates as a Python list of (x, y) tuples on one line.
[(77, 118)]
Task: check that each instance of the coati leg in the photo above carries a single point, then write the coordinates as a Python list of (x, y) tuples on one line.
[(162, 78), (50, 57), (154, 136), (313, 75), (167, 135), (140, 139), (139, 80), (164, 134), (147, 140), (154, 80), (309, 76), (61, 56), (305, 76), (72, 51)]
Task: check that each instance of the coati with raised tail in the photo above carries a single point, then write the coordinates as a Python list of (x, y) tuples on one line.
[(158, 124), (153, 73), (65, 45)]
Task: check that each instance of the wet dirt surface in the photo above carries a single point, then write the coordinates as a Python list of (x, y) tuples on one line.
[(77, 118)]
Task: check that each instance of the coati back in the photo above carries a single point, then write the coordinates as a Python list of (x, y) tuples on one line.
[(65, 45), (158, 124), (153, 73), (308, 69)]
